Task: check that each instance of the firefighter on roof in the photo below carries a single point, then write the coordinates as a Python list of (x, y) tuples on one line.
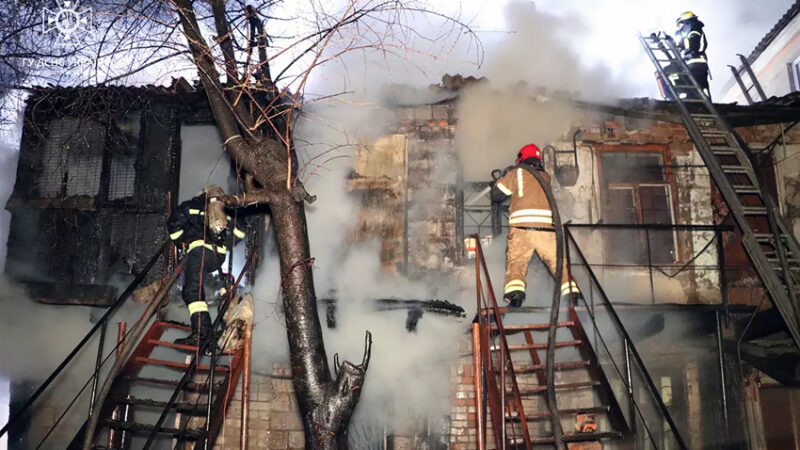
[(691, 41), (530, 225), (201, 229)]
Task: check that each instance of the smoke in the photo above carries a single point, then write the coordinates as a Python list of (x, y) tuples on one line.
[(8, 173)]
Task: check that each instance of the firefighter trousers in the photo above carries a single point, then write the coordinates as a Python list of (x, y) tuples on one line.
[(522, 245), (199, 262)]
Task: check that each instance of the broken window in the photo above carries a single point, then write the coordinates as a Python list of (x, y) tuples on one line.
[(72, 158), (124, 134), (636, 191)]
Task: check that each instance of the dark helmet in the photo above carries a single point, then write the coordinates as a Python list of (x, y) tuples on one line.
[(529, 151)]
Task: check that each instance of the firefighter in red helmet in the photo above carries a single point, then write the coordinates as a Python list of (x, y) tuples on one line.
[(530, 225)]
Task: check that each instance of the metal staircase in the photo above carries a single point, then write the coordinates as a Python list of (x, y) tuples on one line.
[(147, 386), (510, 374), (157, 394), (769, 243)]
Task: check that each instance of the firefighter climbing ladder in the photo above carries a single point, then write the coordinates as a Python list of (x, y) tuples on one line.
[(772, 248)]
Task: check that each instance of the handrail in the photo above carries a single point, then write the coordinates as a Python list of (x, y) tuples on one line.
[(188, 373), (23, 410), (630, 347), (505, 356)]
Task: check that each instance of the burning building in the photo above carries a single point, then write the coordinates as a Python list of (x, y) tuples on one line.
[(660, 350)]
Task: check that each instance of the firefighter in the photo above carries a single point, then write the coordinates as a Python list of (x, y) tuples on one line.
[(201, 229), (530, 225), (691, 41)]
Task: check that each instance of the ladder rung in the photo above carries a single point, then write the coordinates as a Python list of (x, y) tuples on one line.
[(723, 151), (533, 327), (177, 365), (746, 190), (191, 387), (704, 116), (559, 387), (768, 238), (567, 437), (714, 132), (777, 263), (146, 428), (515, 348), (693, 100), (559, 366), (538, 415), (754, 210), (734, 169), (187, 348)]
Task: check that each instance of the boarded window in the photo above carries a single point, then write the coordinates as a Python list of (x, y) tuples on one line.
[(636, 191), (72, 158)]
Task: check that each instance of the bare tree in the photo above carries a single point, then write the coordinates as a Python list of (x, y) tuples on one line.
[(255, 114)]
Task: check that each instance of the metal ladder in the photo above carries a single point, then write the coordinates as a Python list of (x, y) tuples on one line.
[(769, 243), (746, 69)]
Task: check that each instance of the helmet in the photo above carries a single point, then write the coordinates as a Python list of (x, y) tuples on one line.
[(529, 151), (684, 17)]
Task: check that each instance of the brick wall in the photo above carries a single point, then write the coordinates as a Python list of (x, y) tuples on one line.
[(274, 417), (463, 434)]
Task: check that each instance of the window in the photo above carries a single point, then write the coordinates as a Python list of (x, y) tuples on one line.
[(636, 191), (72, 158), (794, 75), (125, 130)]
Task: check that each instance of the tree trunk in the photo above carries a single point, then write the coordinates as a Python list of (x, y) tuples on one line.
[(325, 404)]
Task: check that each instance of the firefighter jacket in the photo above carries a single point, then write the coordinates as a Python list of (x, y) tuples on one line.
[(529, 207), (187, 227), (691, 41)]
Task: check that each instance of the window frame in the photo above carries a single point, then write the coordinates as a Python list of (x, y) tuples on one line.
[(666, 160)]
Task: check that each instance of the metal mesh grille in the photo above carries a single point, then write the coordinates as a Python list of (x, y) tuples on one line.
[(72, 158), (124, 148)]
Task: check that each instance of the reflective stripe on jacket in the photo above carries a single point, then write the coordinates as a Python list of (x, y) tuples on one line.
[(187, 226), (529, 205)]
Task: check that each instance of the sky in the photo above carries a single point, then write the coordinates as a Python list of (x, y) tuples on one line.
[(604, 32)]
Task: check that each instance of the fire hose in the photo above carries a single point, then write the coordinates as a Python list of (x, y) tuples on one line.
[(554, 311)]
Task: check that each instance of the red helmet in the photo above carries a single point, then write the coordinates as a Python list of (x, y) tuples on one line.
[(529, 151)]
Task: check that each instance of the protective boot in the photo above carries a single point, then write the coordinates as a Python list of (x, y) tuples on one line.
[(514, 299), (201, 330)]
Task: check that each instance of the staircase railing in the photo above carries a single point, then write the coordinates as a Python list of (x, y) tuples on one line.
[(25, 409), (212, 405), (496, 366), (632, 385)]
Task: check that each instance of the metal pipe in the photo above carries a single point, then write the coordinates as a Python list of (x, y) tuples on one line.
[(650, 266), (98, 362), (722, 378), (629, 383), (123, 438), (723, 275), (213, 368), (502, 353), (477, 380), (652, 226), (248, 341), (121, 327)]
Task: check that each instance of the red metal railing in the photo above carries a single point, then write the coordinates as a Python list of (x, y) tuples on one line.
[(494, 366)]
